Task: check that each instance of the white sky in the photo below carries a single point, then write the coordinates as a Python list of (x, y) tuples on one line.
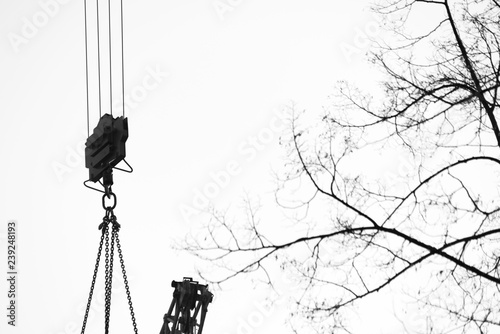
[(227, 74)]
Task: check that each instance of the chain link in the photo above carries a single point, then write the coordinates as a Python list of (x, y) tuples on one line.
[(96, 269), (125, 280), (108, 283), (106, 278)]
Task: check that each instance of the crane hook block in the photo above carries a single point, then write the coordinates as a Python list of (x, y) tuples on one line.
[(105, 148)]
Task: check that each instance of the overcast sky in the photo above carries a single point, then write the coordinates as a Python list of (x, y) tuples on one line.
[(204, 83)]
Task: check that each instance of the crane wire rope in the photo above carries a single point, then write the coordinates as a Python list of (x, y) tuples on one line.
[(87, 64), (110, 62), (87, 69), (99, 62), (123, 59), (98, 57)]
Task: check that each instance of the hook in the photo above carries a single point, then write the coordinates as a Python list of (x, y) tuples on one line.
[(124, 170), (85, 184)]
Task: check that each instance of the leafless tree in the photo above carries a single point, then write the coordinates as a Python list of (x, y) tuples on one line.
[(433, 222)]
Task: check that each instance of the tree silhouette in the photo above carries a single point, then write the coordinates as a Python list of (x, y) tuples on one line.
[(433, 223)]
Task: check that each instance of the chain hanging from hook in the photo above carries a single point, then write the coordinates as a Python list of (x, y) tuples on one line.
[(109, 240)]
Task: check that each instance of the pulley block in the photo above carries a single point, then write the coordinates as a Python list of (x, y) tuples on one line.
[(105, 148)]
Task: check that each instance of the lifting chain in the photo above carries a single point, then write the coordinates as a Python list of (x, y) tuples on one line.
[(109, 219)]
